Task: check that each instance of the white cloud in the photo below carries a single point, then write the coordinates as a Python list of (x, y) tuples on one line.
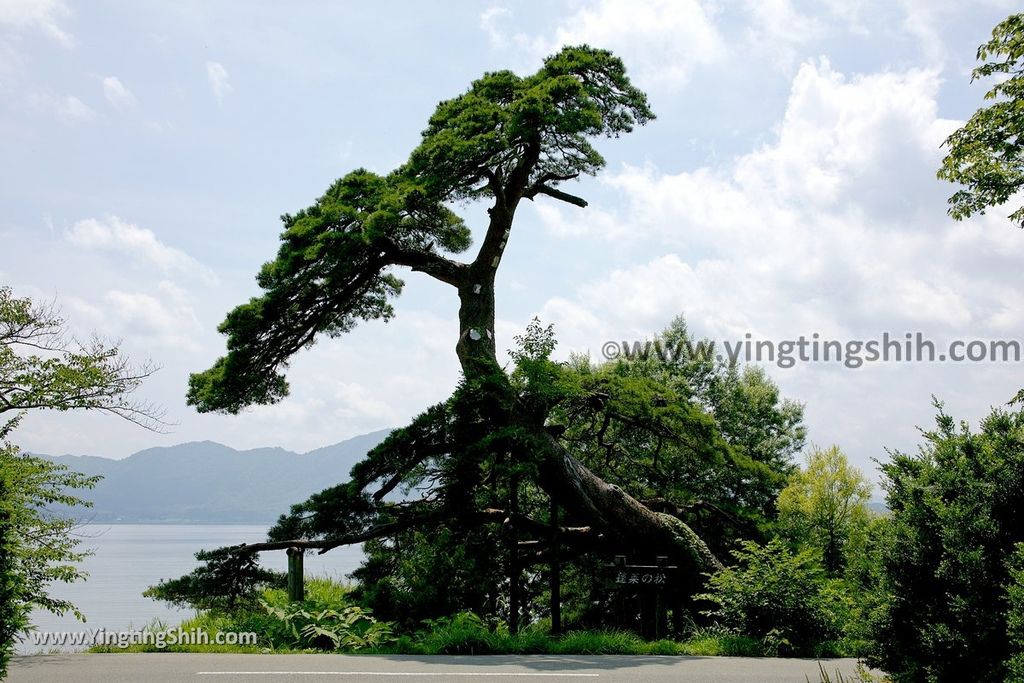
[(357, 401), (166, 319), (836, 226), (117, 94), (594, 222), (41, 15), (217, 76), (777, 29), (529, 49), (113, 234), (380, 375), (926, 20), (661, 40), (490, 21), (847, 148), (66, 108), (850, 14), (11, 64)]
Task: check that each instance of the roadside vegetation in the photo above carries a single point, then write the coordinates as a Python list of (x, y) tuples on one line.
[(779, 598), (44, 368), (913, 591), (331, 620)]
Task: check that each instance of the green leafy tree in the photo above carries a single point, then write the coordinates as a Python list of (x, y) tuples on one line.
[(13, 610), (825, 506), (986, 155), (648, 425), (42, 367), (941, 610), (507, 139), (36, 547)]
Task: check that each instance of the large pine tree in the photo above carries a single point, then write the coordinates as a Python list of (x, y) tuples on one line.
[(506, 139)]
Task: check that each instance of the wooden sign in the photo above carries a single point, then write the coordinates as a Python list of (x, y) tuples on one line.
[(636, 575), (654, 576)]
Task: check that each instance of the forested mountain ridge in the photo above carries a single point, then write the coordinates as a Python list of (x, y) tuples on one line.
[(205, 482)]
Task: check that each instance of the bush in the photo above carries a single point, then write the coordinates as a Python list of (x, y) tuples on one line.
[(778, 596), (326, 620), (461, 634), (350, 628), (941, 611)]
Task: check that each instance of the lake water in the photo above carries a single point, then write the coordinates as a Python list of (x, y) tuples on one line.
[(131, 557)]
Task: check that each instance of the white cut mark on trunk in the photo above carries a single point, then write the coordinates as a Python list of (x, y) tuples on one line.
[(494, 263), (477, 288), (474, 335)]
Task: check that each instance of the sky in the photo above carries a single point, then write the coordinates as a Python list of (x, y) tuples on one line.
[(786, 188)]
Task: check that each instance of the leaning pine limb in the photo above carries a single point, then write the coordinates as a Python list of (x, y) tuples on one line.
[(622, 515)]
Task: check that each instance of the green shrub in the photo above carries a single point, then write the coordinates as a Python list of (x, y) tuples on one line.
[(945, 567), (776, 595), (716, 641), (461, 634), (326, 620), (349, 628), (1015, 613)]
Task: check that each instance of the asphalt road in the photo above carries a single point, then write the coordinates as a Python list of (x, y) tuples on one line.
[(222, 668)]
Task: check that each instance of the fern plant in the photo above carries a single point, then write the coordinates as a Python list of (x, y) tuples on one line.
[(348, 628)]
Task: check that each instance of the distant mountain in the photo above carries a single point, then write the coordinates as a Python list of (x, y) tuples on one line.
[(204, 482)]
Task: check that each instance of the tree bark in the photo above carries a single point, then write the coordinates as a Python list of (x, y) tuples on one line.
[(622, 516)]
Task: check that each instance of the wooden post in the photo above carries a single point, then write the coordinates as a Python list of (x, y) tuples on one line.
[(648, 629), (513, 560), (556, 573), (296, 586), (620, 596), (660, 611), (679, 625), (659, 616)]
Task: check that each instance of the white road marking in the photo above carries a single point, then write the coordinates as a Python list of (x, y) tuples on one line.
[(394, 673)]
